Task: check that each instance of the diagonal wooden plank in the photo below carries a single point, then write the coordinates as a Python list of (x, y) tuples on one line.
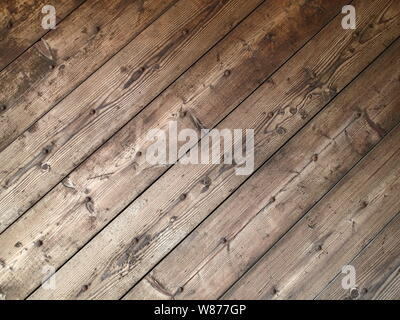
[(124, 146), (195, 87), (153, 225), (281, 192), (100, 106), (390, 290), (302, 263), (66, 56), (376, 266), (20, 25), (238, 233)]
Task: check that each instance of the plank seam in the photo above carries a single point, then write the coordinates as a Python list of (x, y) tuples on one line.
[(123, 126), (220, 122), (273, 153), (39, 39), (313, 206), (85, 79), (360, 252)]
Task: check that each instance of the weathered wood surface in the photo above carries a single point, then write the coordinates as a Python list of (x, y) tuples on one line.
[(100, 106), (21, 25), (377, 269), (169, 218), (321, 243), (120, 155), (244, 72), (115, 226), (67, 56), (224, 246), (390, 290)]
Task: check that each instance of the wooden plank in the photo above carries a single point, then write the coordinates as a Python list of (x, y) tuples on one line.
[(302, 263), (195, 88), (100, 106), (153, 225), (390, 290), (377, 266), (224, 246), (20, 25), (119, 154), (67, 56)]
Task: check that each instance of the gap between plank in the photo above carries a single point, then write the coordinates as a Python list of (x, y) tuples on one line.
[(140, 194), (137, 114), (124, 125), (313, 206), (362, 249), (86, 78), (37, 40), (257, 87), (268, 159)]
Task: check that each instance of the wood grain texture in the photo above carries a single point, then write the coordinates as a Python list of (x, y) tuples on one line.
[(78, 194), (80, 204), (100, 106), (167, 219), (377, 269), (239, 232), (21, 25), (66, 56), (245, 73), (390, 290), (300, 264)]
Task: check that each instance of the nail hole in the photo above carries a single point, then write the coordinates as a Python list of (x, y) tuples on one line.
[(38, 243), (18, 244), (354, 293), (45, 167), (182, 197)]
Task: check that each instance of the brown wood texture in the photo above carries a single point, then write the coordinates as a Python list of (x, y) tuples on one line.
[(317, 247), (167, 105), (377, 269), (94, 111), (66, 56), (79, 196), (20, 25), (267, 205)]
